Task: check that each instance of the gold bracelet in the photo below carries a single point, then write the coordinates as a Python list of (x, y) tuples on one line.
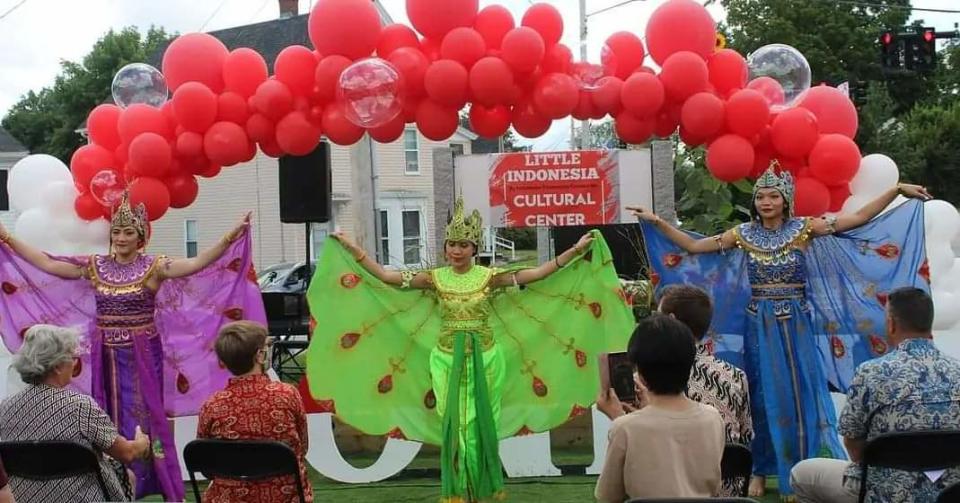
[(361, 257)]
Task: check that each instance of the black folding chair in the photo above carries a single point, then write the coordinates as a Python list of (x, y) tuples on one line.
[(912, 451), (50, 460), (950, 495), (737, 465), (247, 460), (692, 500)]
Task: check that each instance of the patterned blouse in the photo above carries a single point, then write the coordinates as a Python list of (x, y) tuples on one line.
[(913, 388), (44, 412), (256, 408)]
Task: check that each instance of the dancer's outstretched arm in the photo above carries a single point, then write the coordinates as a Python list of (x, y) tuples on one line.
[(543, 270), (395, 278), (823, 226), (712, 244), (41, 260), (180, 267)]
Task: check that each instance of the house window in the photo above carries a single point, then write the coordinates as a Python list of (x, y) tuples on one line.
[(190, 237), (457, 148), (318, 233), (411, 151), (384, 238), (411, 237)]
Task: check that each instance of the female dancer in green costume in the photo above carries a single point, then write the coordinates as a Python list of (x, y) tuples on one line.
[(463, 355)]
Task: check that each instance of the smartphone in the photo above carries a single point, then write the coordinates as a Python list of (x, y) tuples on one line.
[(616, 371)]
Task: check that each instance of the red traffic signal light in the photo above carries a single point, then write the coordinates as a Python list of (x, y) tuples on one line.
[(886, 38), (929, 36)]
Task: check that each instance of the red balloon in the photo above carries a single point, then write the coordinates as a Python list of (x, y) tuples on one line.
[(747, 113), (195, 57), (412, 65), (430, 49), (139, 118), (689, 139), (632, 129), (447, 83), (463, 45), (87, 207), (702, 114), (327, 77), (683, 75), (271, 149), (584, 109), (761, 161), (680, 25), (642, 94), (838, 196), (89, 160), (546, 20), (259, 128), (623, 54), (489, 122), (771, 90), (557, 59), (728, 71), (528, 122), (243, 70), (153, 194), (395, 36), (338, 128), (812, 197), (225, 143), (492, 23), (437, 122), (183, 190), (834, 111), (189, 144), (296, 135), (273, 99), (523, 49), (667, 121), (556, 95), (232, 107), (295, 67), (606, 97), (102, 126), (251, 152), (409, 112), (730, 158), (195, 106), (435, 18), (834, 159), (149, 155), (389, 132), (794, 132), (491, 82), (349, 28)]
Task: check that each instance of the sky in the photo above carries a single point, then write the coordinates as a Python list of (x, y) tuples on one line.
[(36, 35)]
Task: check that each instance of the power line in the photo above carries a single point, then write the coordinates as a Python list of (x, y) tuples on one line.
[(214, 13), (257, 13), (11, 9), (895, 7), (605, 9)]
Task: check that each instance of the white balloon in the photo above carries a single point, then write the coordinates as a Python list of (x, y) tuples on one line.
[(36, 228), (98, 235), (877, 174), (948, 341), (58, 197), (853, 204), (941, 221), (30, 176), (946, 314), (72, 229)]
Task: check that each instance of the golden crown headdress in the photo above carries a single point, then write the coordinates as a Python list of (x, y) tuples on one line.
[(772, 179), (463, 228), (125, 215)]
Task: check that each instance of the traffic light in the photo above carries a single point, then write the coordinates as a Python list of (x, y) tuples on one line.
[(912, 49), (889, 50), (926, 50)]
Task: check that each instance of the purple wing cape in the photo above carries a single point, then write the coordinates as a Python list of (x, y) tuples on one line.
[(190, 312)]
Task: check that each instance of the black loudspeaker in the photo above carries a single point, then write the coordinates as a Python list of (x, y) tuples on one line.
[(4, 197), (305, 186), (625, 242)]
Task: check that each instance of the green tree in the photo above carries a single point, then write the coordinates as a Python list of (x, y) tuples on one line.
[(46, 121), (705, 204)]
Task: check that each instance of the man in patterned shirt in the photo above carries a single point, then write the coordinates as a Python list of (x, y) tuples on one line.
[(712, 381), (912, 388)]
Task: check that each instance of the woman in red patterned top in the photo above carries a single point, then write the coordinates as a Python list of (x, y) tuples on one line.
[(252, 407)]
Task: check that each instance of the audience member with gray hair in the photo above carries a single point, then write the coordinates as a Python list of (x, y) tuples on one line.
[(49, 410)]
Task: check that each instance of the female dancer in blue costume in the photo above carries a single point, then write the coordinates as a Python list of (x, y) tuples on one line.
[(796, 312)]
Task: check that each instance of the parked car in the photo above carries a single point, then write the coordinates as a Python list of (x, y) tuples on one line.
[(285, 278)]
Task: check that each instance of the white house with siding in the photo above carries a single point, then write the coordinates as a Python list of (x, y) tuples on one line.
[(11, 151)]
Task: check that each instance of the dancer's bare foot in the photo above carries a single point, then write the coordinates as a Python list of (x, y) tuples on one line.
[(758, 486)]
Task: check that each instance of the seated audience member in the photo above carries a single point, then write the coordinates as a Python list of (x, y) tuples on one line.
[(914, 387), (48, 410), (672, 446), (712, 381), (252, 407), (6, 496)]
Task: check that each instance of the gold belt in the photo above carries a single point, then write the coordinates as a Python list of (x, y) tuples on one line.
[(448, 337)]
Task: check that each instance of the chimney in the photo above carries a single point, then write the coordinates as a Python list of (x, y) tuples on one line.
[(289, 8)]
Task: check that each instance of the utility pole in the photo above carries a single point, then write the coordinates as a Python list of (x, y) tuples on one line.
[(584, 124)]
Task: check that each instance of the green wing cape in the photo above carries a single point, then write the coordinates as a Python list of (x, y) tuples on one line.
[(368, 359)]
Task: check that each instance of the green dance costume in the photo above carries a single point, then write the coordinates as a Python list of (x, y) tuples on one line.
[(463, 364)]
